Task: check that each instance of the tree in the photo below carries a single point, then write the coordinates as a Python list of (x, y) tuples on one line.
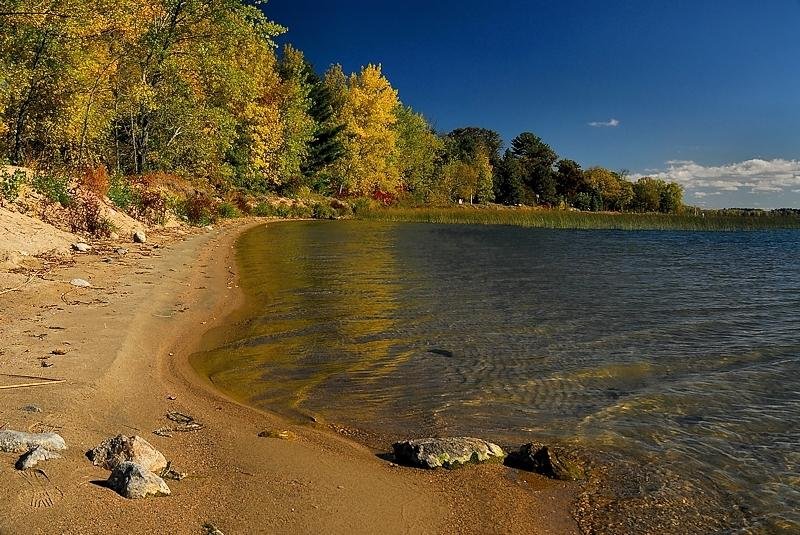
[(615, 191), (671, 198), (368, 166), (466, 143), (419, 152), (536, 160), (299, 128), (509, 187), (647, 194), (570, 179)]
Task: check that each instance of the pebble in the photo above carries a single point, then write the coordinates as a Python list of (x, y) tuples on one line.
[(139, 237), (30, 408), (81, 247), (80, 283)]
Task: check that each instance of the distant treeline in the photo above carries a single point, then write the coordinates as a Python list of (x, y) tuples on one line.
[(196, 90)]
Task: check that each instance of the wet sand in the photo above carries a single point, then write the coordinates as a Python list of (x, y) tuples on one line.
[(127, 343)]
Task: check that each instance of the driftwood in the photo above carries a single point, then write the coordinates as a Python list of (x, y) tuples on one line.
[(18, 288), (42, 381)]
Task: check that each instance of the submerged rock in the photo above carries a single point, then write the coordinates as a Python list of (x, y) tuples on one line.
[(19, 442), (120, 449), (139, 237), (34, 456), (133, 481), (446, 452), (547, 461)]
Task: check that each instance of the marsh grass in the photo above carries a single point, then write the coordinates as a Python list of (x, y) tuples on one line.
[(562, 219)]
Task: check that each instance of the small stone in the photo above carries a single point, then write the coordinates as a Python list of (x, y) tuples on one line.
[(34, 457), (46, 364), (80, 283), (58, 351), (121, 251), (139, 237), (211, 529), (282, 435), (446, 452), (134, 482), (30, 408), (19, 442), (114, 451), (82, 247)]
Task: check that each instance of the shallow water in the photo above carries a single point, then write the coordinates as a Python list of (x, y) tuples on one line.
[(676, 353)]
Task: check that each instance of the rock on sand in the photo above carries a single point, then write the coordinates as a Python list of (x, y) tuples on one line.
[(19, 442), (133, 481), (120, 449), (446, 452)]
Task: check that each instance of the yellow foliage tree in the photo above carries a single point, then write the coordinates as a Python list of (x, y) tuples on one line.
[(368, 166)]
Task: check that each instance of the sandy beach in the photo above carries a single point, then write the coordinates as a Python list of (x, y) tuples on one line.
[(127, 341)]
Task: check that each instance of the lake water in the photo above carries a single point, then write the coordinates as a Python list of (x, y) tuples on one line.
[(674, 358)]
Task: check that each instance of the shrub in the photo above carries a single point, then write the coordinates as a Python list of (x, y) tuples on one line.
[(227, 210), (96, 180), (53, 186), (120, 192), (11, 184), (361, 205), (85, 214), (149, 206), (300, 211), (198, 209), (323, 211), (264, 209)]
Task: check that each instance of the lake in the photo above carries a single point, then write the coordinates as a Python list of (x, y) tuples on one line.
[(672, 357)]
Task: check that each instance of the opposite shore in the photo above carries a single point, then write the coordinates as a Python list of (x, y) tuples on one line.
[(127, 341)]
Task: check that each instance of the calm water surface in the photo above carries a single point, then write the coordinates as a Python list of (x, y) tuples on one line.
[(675, 355)]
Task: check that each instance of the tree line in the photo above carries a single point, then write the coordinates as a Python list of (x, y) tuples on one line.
[(199, 89)]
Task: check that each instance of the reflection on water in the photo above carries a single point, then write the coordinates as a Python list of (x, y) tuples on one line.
[(673, 351)]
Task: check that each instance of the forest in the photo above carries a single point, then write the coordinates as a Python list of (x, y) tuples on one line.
[(190, 105)]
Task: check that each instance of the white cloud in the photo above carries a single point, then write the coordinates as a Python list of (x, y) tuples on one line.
[(611, 123), (755, 176)]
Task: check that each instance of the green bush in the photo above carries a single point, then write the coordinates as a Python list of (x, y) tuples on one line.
[(361, 205), (264, 209), (227, 210), (11, 184), (121, 193), (53, 186), (323, 211)]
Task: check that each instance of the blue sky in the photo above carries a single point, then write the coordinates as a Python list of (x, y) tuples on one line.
[(704, 92)]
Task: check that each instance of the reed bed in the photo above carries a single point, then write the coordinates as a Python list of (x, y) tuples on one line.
[(563, 219)]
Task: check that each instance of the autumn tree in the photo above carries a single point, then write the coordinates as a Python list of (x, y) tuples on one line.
[(368, 164)]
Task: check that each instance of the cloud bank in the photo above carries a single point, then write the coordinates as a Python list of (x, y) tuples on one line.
[(611, 123), (752, 176)]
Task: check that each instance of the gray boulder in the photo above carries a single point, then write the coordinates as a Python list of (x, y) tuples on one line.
[(139, 237), (547, 461), (120, 449), (34, 456), (19, 442), (446, 452), (82, 247), (133, 481)]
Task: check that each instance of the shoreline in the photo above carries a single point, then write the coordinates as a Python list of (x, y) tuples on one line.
[(154, 308)]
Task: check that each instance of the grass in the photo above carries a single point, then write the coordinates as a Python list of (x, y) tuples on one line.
[(562, 219)]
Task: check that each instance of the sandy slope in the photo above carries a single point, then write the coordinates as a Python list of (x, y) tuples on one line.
[(119, 374)]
